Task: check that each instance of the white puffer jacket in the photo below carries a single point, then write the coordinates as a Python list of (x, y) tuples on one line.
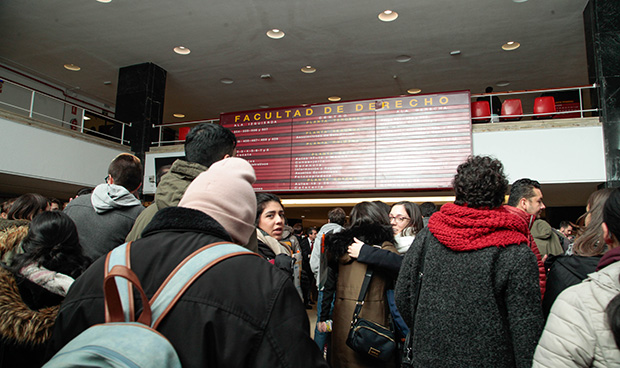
[(577, 333)]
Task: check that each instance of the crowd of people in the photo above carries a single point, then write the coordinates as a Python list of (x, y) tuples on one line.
[(474, 283)]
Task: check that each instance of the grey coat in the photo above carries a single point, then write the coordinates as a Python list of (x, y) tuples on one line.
[(477, 308)]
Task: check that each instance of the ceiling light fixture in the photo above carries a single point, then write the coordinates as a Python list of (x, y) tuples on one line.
[(72, 67), (388, 16), (275, 33), (86, 118), (455, 52), (511, 45), (263, 106), (414, 91), (308, 69), (180, 116), (334, 98), (502, 83), (519, 1), (104, 1), (107, 83), (182, 50), (403, 58), (226, 81)]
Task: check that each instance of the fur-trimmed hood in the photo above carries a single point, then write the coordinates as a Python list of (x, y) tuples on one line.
[(371, 234), (17, 321)]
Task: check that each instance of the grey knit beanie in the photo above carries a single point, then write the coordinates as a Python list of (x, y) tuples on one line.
[(225, 193)]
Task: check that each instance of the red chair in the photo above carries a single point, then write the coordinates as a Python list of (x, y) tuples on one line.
[(544, 105), (511, 110), (480, 112), (183, 133)]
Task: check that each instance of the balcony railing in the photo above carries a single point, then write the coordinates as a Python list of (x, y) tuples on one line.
[(44, 107), (184, 127), (568, 105)]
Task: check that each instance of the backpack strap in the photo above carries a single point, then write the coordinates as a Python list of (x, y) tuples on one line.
[(120, 256), (192, 267)]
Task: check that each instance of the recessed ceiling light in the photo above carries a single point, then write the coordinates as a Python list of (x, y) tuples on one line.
[(334, 98), (104, 1), (455, 52), (86, 118), (502, 83), (263, 106), (511, 45), (519, 1), (107, 83), (182, 50), (308, 69), (226, 81), (275, 33), (178, 115), (403, 58), (413, 91), (72, 67), (388, 16)]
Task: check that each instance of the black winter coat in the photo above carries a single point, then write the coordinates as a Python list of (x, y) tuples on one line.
[(241, 313), (565, 271)]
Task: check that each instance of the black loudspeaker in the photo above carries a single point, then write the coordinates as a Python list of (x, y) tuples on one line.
[(140, 101)]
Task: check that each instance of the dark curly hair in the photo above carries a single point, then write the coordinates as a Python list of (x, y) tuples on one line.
[(52, 242), (480, 182)]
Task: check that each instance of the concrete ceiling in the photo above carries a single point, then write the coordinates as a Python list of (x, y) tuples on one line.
[(354, 53)]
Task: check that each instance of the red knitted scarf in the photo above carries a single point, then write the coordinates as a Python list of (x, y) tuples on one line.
[(462, 228)]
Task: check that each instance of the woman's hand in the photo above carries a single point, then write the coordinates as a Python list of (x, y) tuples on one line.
[(322, 326), (354, 248)]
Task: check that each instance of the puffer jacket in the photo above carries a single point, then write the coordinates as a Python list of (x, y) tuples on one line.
[(23, 331), (576, 333), (169, 193)]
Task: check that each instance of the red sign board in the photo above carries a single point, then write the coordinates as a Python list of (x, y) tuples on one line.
[(411, 142)]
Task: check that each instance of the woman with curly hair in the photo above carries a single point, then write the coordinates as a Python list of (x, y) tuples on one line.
[(34, 284), (479, 298), (370, 229)]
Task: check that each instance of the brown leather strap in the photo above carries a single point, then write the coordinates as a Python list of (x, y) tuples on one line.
[(113, 301)]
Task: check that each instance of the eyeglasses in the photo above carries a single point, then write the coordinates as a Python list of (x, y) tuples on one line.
[(399, 219)]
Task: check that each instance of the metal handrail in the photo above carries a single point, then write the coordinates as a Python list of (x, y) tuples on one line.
[(523, 92), (30, 112), (159, 141)]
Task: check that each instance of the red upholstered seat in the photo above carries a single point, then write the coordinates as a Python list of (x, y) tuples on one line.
[(183, 133), (480, 112), (544, 105), (511, 110)]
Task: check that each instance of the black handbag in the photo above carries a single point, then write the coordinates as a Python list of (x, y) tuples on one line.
[(367, 337), (407, 357)]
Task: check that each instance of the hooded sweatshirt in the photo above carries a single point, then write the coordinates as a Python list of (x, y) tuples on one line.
[(104, 218)]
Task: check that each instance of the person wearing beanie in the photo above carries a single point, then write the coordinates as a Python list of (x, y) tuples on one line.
[(242, 313), (479, 303)]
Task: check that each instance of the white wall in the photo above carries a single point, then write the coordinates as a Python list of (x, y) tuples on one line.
[(557, 155), (44, 154)]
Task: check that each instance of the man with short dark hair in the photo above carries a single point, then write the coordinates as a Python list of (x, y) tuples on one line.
[(205, 144), (104, 217), (526, 201), (427, 209), (526, 195)]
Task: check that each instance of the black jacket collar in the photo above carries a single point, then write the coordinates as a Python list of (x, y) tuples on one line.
[(185, 219)]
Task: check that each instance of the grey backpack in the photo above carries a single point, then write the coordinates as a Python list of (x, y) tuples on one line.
[(123, 342)]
